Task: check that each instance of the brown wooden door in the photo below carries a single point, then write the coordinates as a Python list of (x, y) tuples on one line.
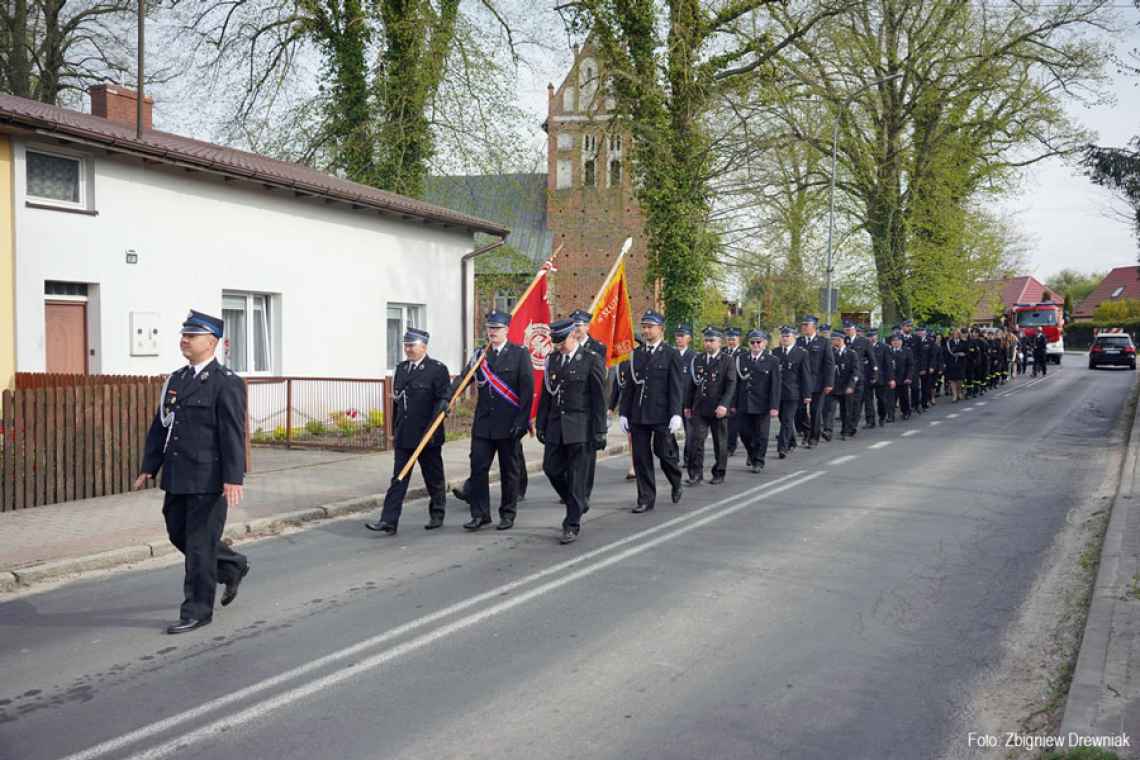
[(65, 337)]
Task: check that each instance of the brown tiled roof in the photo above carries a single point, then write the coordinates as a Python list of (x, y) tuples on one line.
[(52, 121), (1005, 293), (1121, 282)]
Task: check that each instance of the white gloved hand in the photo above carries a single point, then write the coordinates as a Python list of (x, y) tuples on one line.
[(675, 423), (624, 422)]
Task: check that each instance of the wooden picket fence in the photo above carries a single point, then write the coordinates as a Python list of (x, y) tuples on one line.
[(65, 440)]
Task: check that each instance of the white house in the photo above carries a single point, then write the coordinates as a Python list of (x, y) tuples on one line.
[(107, 240)]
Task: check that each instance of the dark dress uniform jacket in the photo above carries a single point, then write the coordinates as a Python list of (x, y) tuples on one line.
[(714, 384), (903, 367), (848, 372), (576, 412), (880, 352), (495, 417), (862, 346), (795, 376), (758, 387), (821, 361), (921, 351), (206, 447), (655, 391), (420, 395)]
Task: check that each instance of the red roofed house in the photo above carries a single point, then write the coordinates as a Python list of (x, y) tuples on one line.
[(999, 295), (1120, 283)]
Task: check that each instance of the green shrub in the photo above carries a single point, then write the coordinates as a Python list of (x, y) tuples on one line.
[(315, 427), (376, 418)]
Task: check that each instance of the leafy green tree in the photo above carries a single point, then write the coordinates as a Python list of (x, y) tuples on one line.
[(1073, 285)]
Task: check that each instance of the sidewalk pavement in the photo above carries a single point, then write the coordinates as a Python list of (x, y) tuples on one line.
[(1104, 696), (283, 487)]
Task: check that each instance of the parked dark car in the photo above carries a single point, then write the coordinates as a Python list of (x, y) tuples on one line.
[(1115, 348)]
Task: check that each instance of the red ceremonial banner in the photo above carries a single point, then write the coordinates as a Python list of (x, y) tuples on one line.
[(530, 328), (612, 321)]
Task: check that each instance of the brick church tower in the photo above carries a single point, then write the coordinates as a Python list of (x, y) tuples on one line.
[(590, 207)]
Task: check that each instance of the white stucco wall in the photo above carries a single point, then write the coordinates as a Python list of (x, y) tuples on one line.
[(332, 269)]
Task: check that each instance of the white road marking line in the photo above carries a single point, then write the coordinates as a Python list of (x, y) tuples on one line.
[(909, 433), (162, 726), (952, 416), (935, 422), (967, 408), (981, 403), (841, 460), (880, 445), (286, 698)]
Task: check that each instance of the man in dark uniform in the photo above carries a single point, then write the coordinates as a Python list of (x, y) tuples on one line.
[(582, 319), (682, 340), (830, 403), (821, 366), (920, 348), (758, 389), (795, 387), (1040, 358), (903, 375), (861, 345), (421, 391), (571, 420), (877, 390), (732, 348), (710, 397), (198, 440), (848, 386), (502, 416), (651, 405)]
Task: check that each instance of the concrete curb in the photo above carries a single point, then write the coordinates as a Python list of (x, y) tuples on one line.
[(19, 579), (1103, 659)]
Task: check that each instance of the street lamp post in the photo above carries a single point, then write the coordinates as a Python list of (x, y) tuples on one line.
[(831, 191)]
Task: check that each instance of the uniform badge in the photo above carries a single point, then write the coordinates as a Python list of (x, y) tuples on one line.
[(205, 374)]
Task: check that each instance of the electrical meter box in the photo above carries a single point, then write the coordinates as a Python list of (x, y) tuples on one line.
[(144, 333)]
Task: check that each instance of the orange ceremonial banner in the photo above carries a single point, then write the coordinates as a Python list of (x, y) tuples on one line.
[(612, 321)]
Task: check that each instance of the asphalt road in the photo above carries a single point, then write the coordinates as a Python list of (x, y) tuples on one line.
[(839, 605)]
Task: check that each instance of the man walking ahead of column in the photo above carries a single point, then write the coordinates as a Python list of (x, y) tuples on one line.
[(571, 420), (651, 405), (198, 440), (821, 365), (502, 416), (421, 388)]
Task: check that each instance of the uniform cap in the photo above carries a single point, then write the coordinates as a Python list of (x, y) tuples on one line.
[(560, 329), (872, 333), (198, 323), (732, 332), (787, 330), (825, 328), (498, 318), (757, 334), (809, 319), (652, 317), (683, 329), (581, 317), (415, 335), (712, 332)]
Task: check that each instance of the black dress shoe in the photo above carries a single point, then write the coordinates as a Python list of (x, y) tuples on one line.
[(757, 468), (232, 587), (433, 523), (678, 492), (631, 476), (185, 625), (505, 524), (642, 509), (380, 526), (870, 426), (475, 523), (826, 435), (569, 536), (716, 481), (694, 481), (457, 493), (783, 454)]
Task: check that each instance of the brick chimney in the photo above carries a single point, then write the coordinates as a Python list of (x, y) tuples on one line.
[(119, 104)]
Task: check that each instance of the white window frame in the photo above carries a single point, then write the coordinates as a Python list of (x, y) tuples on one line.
[(85, 176), (406, 309), (505, 300), (1118, 292), (250, 358)]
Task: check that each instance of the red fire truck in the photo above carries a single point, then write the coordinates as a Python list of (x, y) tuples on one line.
[(1049, 318)]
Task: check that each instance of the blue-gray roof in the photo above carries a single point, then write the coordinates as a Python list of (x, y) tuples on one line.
[(516, 201)]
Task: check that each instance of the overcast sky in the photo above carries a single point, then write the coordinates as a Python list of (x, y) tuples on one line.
[(1063, 214)]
